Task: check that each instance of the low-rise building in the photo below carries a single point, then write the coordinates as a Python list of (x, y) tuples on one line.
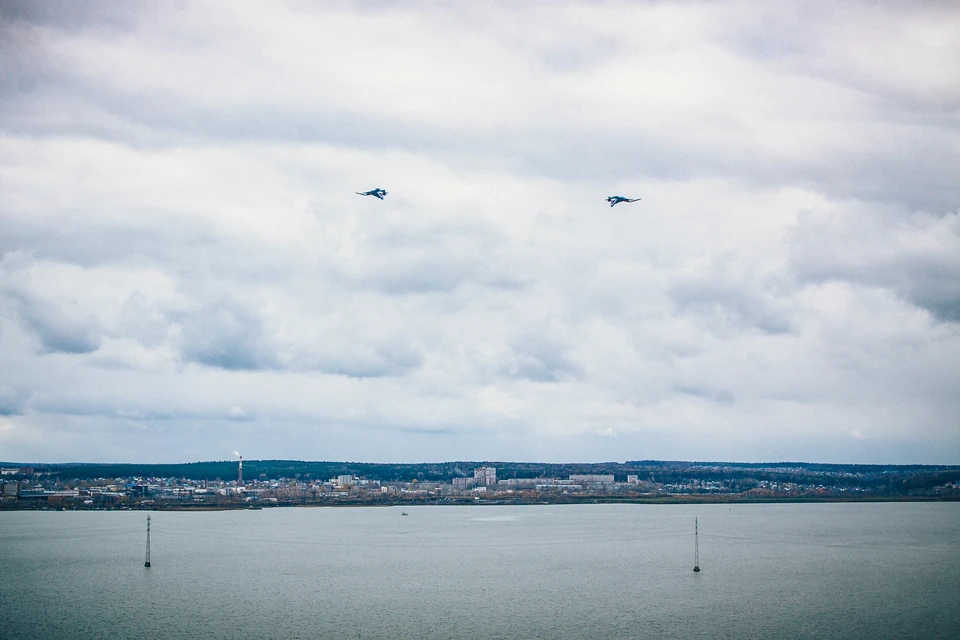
[(592, 478)]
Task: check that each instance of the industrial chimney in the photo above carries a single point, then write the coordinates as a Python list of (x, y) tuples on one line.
[(239, 471)]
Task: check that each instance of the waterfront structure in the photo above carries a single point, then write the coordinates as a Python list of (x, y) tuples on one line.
[(696, 545), (147, 563)]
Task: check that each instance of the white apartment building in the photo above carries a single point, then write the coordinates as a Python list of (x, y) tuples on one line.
[(485, 476)]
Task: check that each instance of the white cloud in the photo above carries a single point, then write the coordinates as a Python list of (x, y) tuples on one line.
[(183, 257)]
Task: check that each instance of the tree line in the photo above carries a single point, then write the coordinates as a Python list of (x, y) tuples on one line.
[(891, 478)]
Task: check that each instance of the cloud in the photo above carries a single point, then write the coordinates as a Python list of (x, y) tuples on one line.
[(58, 332), (915, 256), (541, 354), (226, 334), (58, 325), (74, 16), (720, 397), (185, 268), (239, 413), (728, 106), (360, 359), (13, 401), (726, 301)]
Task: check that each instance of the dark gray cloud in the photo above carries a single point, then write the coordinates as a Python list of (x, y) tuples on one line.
[(720, 397), (58, 333), (724, 302), (228, 335), (231, 334), (80, 15), (357, 358), (58, 329), (541, 355), (917, 257), (13, 401)]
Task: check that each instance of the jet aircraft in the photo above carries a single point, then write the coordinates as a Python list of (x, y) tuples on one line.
[(613, 200), (376, 193)]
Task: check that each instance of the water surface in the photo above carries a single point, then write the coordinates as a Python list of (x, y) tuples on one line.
[(589, 571)]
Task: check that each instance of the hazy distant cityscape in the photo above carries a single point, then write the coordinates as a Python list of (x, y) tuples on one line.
[(292, 483)]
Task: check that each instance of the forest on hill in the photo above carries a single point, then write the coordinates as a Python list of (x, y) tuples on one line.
[(895, 479)]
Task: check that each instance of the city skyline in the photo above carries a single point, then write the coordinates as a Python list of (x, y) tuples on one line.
[(186, 269)]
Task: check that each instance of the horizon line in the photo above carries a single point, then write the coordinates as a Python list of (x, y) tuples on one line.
[(489, 462)]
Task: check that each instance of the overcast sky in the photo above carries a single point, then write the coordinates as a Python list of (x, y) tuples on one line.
[(185, 269)]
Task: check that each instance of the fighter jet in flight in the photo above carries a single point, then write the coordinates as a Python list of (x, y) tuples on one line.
[(614, 200), (376, 193)]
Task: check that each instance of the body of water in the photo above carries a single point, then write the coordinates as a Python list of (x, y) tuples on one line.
[(889, 570)]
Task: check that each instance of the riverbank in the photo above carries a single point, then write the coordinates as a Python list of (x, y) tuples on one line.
[(664, 500)]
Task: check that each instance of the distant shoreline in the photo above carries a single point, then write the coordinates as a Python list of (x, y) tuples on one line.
[(266, 483), (598, 500)]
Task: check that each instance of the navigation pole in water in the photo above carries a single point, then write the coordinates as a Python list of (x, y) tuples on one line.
[(696, 545), (147, 563)]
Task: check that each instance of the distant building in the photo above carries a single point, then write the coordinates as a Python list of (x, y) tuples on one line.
[(633, 479), (485, 476), (10, 489), (518, 483), (346, 481), (463, 483), (593, 478)]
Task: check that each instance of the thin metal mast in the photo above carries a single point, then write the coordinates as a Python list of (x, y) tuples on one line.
[(696, 545), (147, 563)]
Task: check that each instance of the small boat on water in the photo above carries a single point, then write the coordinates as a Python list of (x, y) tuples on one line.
[(404, 513)]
